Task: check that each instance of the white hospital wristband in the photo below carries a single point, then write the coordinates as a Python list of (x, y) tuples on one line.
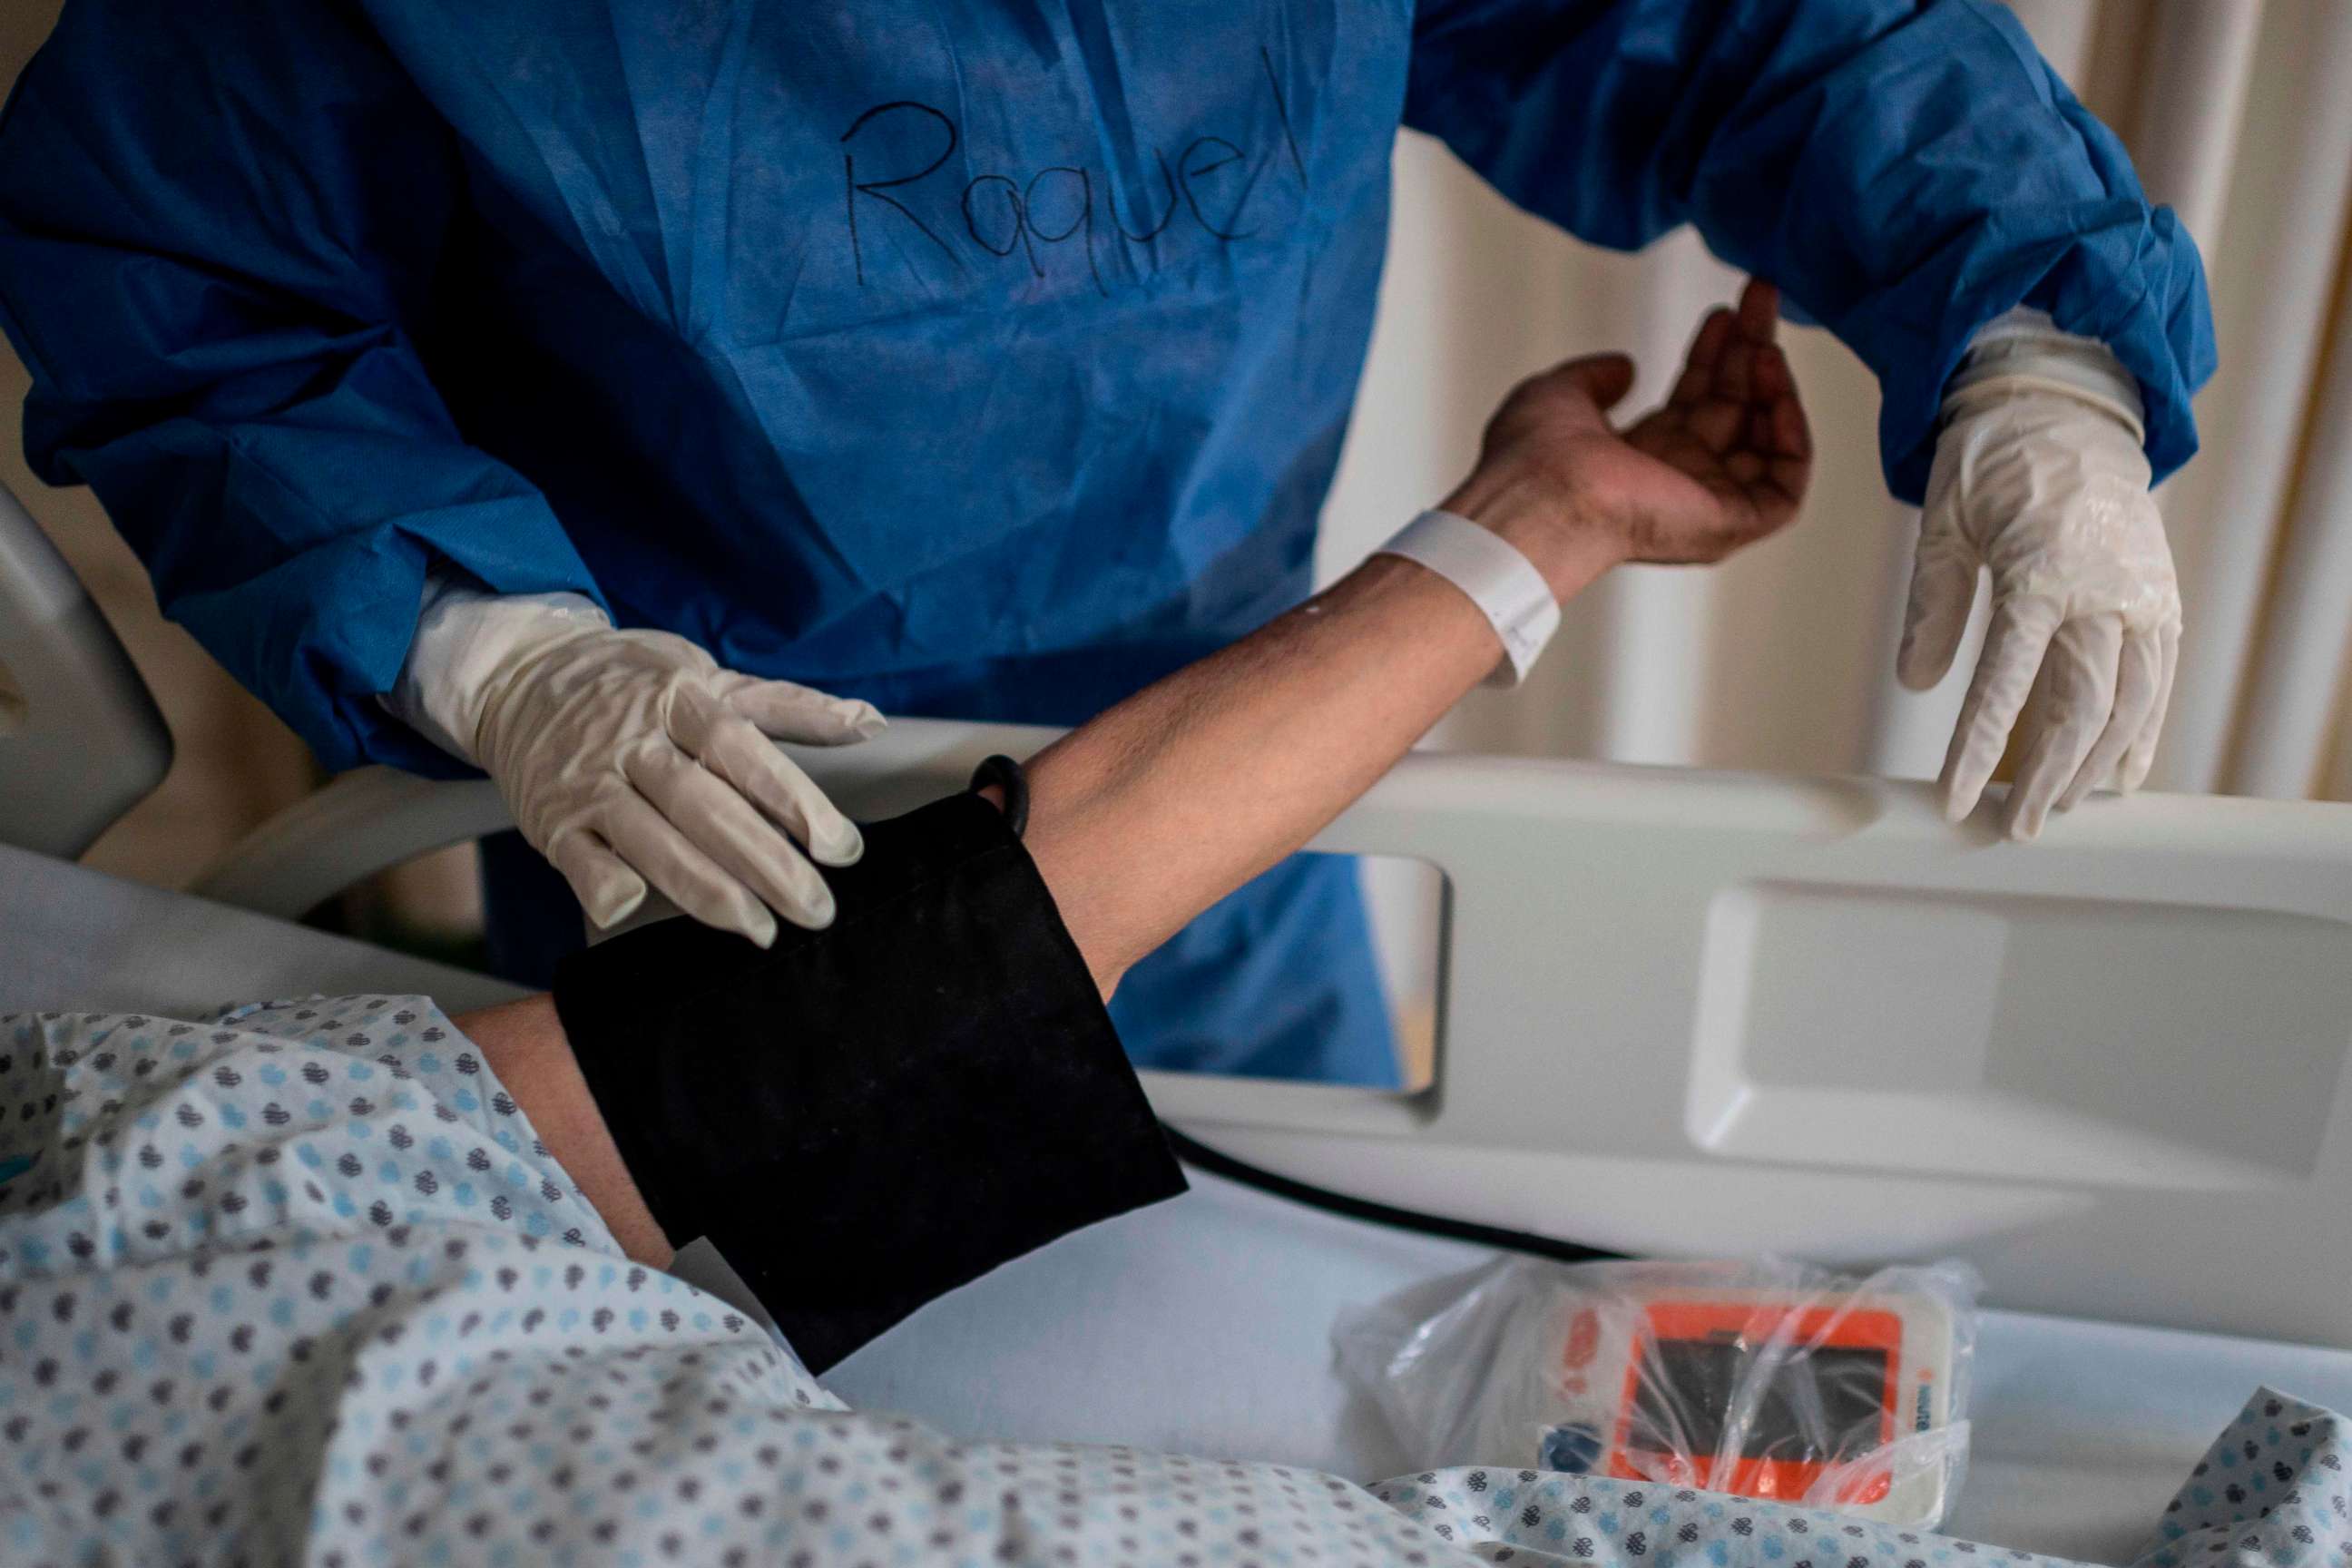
[(1501, 581)]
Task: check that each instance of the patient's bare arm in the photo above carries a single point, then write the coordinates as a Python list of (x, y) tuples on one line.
[(524, 1043), (1145, 816)]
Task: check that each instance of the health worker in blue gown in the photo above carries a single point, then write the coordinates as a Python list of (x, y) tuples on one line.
[(591, 391)]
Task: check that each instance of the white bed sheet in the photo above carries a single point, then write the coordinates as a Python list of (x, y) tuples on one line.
[(1202, 1325), (80, 939)]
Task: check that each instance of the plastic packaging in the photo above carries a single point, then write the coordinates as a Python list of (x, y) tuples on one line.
[(1763, 1378)]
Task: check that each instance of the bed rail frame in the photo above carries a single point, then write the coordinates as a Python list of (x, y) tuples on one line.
[(1704, 1013)]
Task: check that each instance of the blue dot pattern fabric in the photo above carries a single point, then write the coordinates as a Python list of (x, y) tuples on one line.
[(1534, 1516), (301, 1284), (2271, 1489), (2271, 1492)]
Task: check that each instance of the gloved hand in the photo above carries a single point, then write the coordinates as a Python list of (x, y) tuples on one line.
[(631, 758), (2040, 476)]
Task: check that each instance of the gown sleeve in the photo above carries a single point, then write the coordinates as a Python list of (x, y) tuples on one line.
[(218, 229), (1904, 171)]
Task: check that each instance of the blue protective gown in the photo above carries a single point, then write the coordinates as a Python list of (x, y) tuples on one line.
[(983, 360)]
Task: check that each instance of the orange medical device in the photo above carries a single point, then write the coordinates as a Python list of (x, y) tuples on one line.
[(1789, 1395)]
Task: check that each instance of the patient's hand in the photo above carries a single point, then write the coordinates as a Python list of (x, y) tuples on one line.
[(1722, 465)]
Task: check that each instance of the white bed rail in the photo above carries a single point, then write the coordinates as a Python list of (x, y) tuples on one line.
[(1713, 1015), (81, 741), (370, 819), (1707, 1013)]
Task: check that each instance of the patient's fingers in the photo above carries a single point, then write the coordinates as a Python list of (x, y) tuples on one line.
[(1697, 380), (1736, 398), (1751, 360), (1735, 376), (1790, 476), (1791, 436), (1788, 439), (1776, 420)]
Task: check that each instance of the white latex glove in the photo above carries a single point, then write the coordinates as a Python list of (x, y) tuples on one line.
[(631, 758), (2040, 476)]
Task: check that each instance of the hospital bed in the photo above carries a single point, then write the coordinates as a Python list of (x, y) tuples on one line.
[(1680, 1013)]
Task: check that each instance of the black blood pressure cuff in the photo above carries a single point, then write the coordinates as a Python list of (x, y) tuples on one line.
[(863, 1118)]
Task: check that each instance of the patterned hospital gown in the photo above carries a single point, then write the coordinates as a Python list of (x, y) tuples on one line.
[(299, 1284)]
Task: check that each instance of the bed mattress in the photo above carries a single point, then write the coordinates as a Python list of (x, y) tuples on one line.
[(1203, 1326)]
